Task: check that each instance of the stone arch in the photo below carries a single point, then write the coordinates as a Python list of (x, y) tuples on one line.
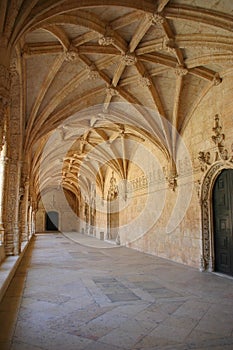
[(207, 238)]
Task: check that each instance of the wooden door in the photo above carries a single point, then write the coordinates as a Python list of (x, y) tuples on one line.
[(222, 219)]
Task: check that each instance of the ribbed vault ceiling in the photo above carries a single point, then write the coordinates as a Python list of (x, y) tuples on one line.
[(83, 62)]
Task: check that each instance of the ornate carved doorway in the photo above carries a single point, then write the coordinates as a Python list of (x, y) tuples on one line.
[(223, 222)]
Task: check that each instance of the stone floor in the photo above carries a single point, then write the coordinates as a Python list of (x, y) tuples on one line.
[(68, 296)]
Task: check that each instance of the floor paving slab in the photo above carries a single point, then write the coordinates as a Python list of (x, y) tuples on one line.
[(71, 292)]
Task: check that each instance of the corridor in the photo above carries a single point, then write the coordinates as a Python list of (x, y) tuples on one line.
[(92, 295)]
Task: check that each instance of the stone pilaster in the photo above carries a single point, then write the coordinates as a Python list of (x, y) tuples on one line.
[(12, 241), (14, 149), (4, 92), (24, 212), (3, 161)]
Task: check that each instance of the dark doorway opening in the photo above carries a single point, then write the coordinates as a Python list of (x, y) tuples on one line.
[(52, 221), (223, 222)]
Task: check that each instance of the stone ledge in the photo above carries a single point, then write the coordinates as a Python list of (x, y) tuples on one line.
[(8, 268)]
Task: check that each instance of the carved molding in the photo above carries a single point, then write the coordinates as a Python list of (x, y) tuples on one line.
[(207, 258), (212, 163)]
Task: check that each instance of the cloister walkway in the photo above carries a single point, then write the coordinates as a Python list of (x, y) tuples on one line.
[(70, 295)]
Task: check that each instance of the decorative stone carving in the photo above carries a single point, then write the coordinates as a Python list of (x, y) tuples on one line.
[(172, 182), (169, 44), (144, 81), (156, 19), (231, 160), (222, 160), (205, 210), (13, 68), (4, 101), (180, 71), (204, 158), (4, 82), (219, 140), (129, 59), (222, 153), (106, 40), (111, 91), (171, 176), (113, 189), (216, 79), (71, 55), (92, 72)]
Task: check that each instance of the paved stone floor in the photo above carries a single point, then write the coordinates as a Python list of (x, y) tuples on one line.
[(73, 296)]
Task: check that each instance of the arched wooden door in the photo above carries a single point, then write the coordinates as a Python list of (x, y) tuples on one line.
[(223, 222), (52, 221)]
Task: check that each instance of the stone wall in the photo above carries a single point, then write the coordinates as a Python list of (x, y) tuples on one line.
[(183, 241)]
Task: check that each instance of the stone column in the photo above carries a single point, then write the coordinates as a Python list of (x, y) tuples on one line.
[(4, 103), (14, 153), (3, 161), (4, 100), (12, 239), (24, 212)]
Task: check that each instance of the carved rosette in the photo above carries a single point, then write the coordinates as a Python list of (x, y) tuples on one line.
[(181, 71), (169, 44), (71, 55), (106, 40), (111, 91), (129, 59), (144, 81), (156, 19), (92, 73)]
